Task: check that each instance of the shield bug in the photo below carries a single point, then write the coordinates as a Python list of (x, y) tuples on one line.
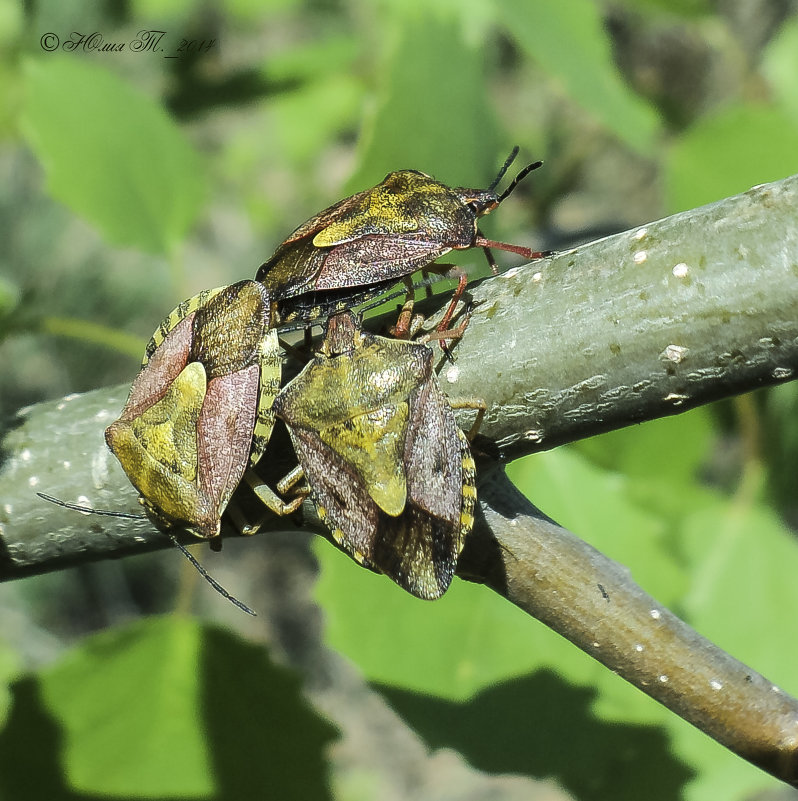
[(383, 458), (200, 410), (386, 233)]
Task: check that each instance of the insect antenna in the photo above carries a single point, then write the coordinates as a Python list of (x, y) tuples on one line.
[(487, 244), (126, 515), (518, 178), (88, 509), (209, 578), (505, 167)]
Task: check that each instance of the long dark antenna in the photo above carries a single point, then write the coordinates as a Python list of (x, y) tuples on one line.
[(505, 167), (209, 578), (200, 569), (518, 178), (88, 509)]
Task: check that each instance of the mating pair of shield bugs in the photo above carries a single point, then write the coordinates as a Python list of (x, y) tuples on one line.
[(378, 447), (377, 444)]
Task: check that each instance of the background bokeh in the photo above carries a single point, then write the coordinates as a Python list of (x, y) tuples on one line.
[(130, 179)]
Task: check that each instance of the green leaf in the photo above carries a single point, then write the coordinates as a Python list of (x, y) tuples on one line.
[(729, 152), (9, 296), (541, 725), (743, 592), (111, 154), (431, 112), (164, 708), (304, 121), (682, 440), (607, 516), (686, 9), (568, 40), (742, 596), (9, 668), (11, 26), (141, 687), (172, 10), (331, 56), (780, 425), (780, 66), (680, 444), (435, 648)]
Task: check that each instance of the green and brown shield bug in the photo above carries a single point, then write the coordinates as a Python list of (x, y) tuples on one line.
[(385, 233), (389, 470), (199, 413)]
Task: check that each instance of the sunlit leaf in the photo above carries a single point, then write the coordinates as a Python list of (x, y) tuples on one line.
[(729, 152), (568, 40), (780, 66), (9, 667), (111, 153), (166, 708), (431, 111)]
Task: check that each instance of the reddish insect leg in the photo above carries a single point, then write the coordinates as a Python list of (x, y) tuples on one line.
[(528, 253), (404, 324), (462, 281)]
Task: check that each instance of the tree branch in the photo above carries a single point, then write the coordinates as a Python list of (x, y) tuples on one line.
[(592, 601), (647, 323), (640, 325)]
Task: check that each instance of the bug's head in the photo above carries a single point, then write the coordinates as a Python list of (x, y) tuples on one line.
[(483, 201), (341, 335), (480, 201)]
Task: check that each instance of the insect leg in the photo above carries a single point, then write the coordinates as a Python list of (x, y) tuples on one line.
[(406, 323), (451, 271), (528, 253), (271, 500), (471, 403)]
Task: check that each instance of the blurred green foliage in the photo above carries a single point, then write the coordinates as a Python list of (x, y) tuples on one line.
[(133, 180), (163, 708)]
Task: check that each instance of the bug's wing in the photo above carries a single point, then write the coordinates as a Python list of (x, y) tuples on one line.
[(185, 433), (224, 436), (383, 210), (432, 456), (228, 330), (341, 500), (292, 268), (230, 339), (187, 452), (416, 550), (375, 258), (372, 444), (157, 446), (343, 209), (297, 261), (231, 333), (160, 370), (441, 493)]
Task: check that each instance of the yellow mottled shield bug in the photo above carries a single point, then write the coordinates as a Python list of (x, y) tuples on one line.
[(386, 233), (200, 410), (384, 460)]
